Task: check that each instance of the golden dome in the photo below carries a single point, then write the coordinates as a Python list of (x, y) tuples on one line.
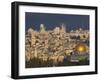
[(81, 48)]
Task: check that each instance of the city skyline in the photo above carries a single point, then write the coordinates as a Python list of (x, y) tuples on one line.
[(50, 21), (56, 47), (53, 40)]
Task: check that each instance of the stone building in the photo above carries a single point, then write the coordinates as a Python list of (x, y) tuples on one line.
[(53, 44)]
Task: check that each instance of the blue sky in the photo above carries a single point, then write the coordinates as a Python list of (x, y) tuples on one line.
[(50, 21)]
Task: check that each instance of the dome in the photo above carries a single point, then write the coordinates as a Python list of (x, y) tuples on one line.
[(30, 30)]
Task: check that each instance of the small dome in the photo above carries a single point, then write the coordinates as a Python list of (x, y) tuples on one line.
[(30, 30)]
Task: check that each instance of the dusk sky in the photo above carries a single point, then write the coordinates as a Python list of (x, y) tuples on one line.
[(51, 21)]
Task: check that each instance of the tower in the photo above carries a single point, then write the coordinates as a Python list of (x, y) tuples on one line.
[(42, 28), (63, 28)]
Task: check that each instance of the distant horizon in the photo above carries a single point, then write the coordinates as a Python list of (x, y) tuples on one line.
[(50, 21), (54, 28)]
